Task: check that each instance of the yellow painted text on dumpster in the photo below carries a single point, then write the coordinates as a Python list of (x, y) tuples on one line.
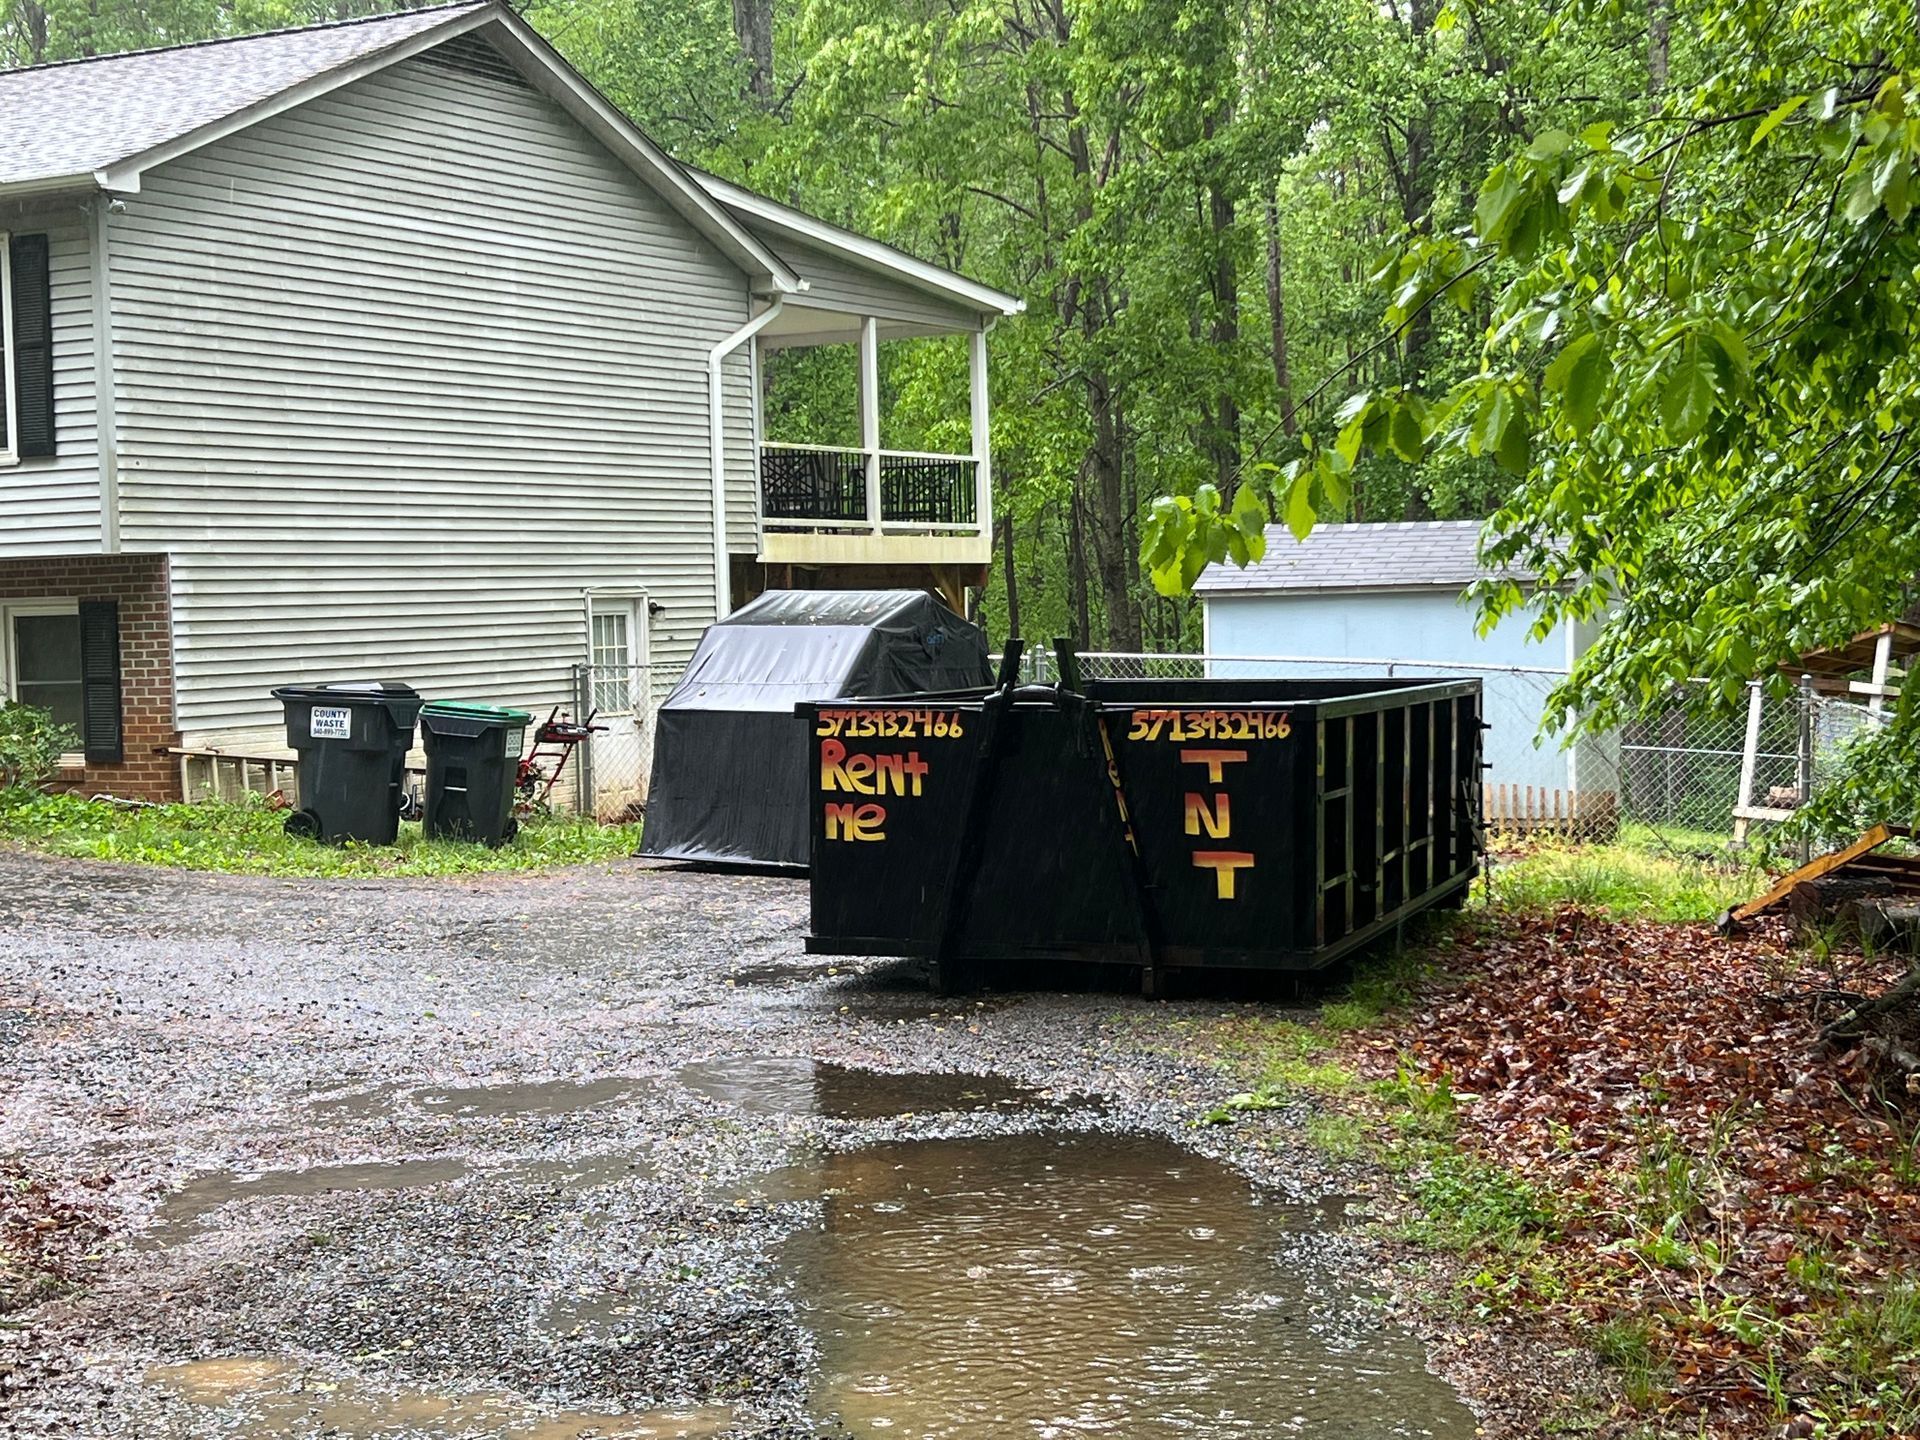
[(881, 775), (1238, 726), (1211, 814)]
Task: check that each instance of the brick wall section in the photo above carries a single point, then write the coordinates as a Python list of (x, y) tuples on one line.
[(139, 583)]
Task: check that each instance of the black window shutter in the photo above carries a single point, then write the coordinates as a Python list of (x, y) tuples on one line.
[(32, 342), (100, 682)]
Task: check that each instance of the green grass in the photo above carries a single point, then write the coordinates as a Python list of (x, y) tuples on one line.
[(1628, 880), (1629, 1345), (246, 838)]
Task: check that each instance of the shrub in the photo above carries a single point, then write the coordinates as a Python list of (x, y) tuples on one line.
[(31, 744)]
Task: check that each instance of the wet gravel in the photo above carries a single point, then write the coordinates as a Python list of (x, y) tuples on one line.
[(568, 1107)]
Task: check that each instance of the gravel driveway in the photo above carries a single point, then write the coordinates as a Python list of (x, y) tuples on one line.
[(603, 1152)]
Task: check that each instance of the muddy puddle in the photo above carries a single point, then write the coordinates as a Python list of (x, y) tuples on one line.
[(510, 1100), (775, 1085), (182, 1210), (1064, 1286), (534, 1098), (253, 1398), (204, 1194)]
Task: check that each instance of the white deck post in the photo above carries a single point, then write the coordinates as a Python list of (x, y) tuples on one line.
[(1749, 762), (870, 414), (982, 439), (1882, 662)]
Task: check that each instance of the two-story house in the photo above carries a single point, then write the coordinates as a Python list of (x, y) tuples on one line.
[(390, 348)]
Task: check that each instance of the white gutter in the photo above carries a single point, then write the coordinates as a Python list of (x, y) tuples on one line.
[(717, 440), (105, 425)]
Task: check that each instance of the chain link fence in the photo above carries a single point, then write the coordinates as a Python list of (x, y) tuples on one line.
[(1696, 778), (604, 775), (1685, 773)]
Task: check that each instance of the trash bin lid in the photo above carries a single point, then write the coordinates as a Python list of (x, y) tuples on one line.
[(368, 691), (497, 714)]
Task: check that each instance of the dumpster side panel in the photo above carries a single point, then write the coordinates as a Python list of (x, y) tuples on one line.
[(1215, 795), (1054, 880), (887, 786)]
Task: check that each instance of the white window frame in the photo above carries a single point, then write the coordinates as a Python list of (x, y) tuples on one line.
[(634, 606), (9, 645), (10, 438)]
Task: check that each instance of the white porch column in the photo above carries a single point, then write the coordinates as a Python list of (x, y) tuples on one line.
[(982, 440), (870, 414)]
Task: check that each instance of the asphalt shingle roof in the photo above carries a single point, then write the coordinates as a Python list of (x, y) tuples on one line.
[(75, 117), (1382, 556)]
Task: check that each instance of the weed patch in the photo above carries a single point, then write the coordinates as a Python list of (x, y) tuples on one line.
[(246, 838), (1621, 881)]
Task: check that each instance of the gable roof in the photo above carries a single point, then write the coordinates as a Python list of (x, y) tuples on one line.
[(74, 118), (98, 123), (1389, 555)]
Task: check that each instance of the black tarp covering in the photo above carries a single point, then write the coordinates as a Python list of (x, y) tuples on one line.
[(730, 758)]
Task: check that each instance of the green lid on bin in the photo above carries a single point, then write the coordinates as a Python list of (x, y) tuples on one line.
[(498, 714)]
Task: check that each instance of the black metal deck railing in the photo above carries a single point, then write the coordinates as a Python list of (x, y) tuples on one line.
[(829, 487)]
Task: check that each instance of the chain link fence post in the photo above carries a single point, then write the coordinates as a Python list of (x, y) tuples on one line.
[(583, 758), (1803, 762)]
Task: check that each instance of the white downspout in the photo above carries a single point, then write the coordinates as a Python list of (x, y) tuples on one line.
[(716, 433)]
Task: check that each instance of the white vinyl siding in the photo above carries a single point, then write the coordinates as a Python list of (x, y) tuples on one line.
[(50, 505), (403, 371), (837, 284)]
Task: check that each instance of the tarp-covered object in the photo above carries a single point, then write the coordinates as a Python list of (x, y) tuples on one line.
[(730, 757)]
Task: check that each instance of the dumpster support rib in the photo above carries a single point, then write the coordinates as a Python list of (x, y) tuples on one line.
[(970, 844)]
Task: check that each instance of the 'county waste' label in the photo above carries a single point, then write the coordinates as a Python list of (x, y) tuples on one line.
[(331, 722)]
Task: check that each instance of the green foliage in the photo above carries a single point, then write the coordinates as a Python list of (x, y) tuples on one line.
[(1696, 365), (1625, 881), (1873, 777), (1630, 1345), (247, 838), (1468, 1204), (31, 745)]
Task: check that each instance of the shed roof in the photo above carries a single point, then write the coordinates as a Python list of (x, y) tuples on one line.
[(1387, 555)]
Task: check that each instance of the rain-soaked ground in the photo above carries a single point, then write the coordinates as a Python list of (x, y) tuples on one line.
[(605, 1154)]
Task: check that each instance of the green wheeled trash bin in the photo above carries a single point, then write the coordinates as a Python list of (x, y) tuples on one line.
[(473, 759), (352, 739)]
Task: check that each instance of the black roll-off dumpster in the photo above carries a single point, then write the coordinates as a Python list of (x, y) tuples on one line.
[(1163, 824)]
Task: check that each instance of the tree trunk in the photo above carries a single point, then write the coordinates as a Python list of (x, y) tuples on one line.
[(1077, 574), (33, 24), (1112, 521), (1277, 312), (1112, 537), (1007, 568), (1225, 440), (1413, 175), (1659, 43), (753, 28)]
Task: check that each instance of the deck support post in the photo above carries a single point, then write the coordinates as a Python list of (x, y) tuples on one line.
[(982, 439), (870, 414)]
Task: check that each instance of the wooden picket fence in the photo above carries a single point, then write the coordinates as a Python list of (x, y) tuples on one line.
[(1541, 810)]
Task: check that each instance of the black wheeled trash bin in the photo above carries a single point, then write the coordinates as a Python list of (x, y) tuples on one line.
[(473, 756), (352, 740)]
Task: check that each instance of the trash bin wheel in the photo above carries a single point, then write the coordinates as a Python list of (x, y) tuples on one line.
[(303, 825), (507, 832)]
